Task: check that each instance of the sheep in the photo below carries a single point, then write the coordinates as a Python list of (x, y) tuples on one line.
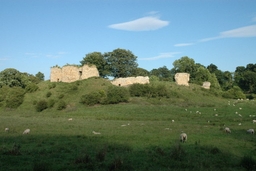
[(227, 130), (70, 119), (27, 131), (183, 137), (6, 129), (172, 120), (95, 132), (253, 121), (251, 131)]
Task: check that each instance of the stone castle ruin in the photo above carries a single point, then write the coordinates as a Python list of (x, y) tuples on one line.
[(130, 80), (71, 73), (182, 78), (206, 85)]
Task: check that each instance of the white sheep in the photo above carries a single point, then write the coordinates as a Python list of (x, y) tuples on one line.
[(251, 131), (172, 120), (27, 131), (253, 121), (6, 129), (70, 119), (95, 132), (227, 130), (183, 137)]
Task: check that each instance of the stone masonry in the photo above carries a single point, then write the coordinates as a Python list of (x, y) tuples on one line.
[(71, 73), (130, 80), (182, 78)]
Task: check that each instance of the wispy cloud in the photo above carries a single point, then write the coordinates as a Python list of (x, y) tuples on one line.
[(183, 44), (4, 59), (247, 31), (50, 55), (142, 24), (160, 56)]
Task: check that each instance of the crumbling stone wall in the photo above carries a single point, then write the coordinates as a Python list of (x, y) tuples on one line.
[(71, 73), (130, 80), (206, 85), (182, 78)]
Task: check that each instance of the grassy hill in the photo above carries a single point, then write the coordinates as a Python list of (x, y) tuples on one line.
[(142, 134)]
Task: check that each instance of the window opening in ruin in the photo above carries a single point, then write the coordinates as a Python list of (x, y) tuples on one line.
[(119, 85), (58, 79), (80, 74)]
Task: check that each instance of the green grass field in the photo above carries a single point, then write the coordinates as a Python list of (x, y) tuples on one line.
[(138, 135)]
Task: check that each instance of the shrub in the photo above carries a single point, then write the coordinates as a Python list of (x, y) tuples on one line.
[(61, 96), (61, 105), (117, 94), (234, 93), (41, 105), (48, 94), (93, 98), (248, 163), (14, 97), (52, 85), (139, 90), (31, 88), (50, 103)]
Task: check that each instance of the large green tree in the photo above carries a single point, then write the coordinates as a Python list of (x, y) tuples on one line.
[(121, 63), (163, 73), (245, 78), (97, 59)]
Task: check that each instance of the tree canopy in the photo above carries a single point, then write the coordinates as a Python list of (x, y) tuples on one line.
[(121, 63)]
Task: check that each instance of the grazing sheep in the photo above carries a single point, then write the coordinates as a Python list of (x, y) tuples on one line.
[(70, 119), (183, 137), (6, 129), (27, 131), (251, 131), (253, 121), (172, 120), (95, 132), (227, 130)]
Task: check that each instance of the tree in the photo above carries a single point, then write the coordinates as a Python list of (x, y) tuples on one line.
[(140, 72), (188, 65), (121, 63), (11, 77), (97, 59), (40, 76), (245, 78), (163, 73)]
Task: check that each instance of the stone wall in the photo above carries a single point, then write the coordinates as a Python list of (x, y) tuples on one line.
[(130, 80), (71, 73), (206, 85), (182, 78)]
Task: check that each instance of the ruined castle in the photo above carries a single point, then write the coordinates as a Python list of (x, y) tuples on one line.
[(71, 73)]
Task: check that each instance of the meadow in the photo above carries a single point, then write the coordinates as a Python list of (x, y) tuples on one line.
[(142, 134)]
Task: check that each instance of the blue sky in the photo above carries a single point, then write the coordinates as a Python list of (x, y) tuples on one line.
[(38, 34)]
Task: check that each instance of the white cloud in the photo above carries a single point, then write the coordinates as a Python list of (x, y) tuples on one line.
[(183, 44), (247, 31), (141, 24), (4, 59), (160, 56), (254, 19)]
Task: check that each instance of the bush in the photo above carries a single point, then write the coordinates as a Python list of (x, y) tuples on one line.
[(248, 163), (117, 94), (234, 93), (61, 105), (93, 98), (52, 85), (48, 94), (41, 105), (14, 97), (31, 88), (139, 90), (50, 103), (61, 96)]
